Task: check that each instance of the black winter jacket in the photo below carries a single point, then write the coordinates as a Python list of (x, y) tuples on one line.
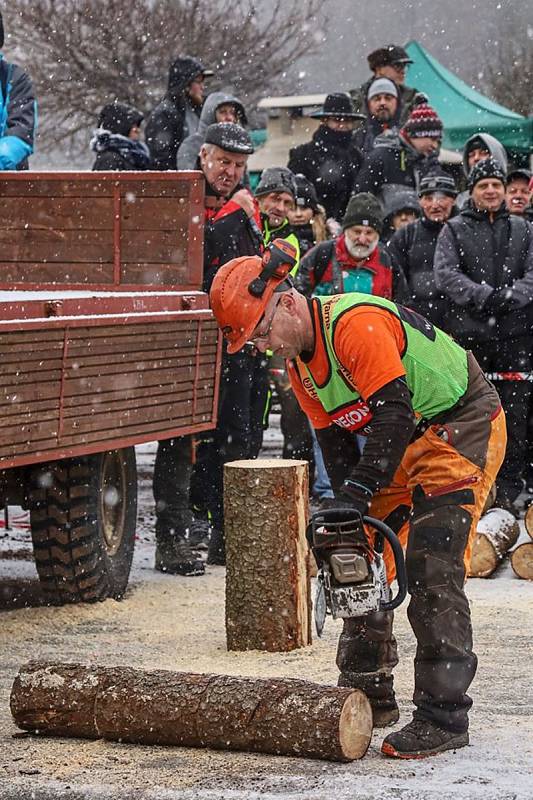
[(392, 163), (365, 136), (117, 153), (18, 111), (229, 233), (174, 118), (476, 254), (331, 162), (412, 250)]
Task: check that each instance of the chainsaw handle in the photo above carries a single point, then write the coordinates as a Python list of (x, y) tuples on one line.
[(401, 572)]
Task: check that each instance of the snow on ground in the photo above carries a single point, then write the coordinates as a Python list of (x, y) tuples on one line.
[(174, 623)]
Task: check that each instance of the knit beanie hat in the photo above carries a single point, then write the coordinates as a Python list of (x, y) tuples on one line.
[(119, 118), (363, 209), (382, 86), (423, 121), (488, 168), (276, 179), (437, 182), (306, 196)]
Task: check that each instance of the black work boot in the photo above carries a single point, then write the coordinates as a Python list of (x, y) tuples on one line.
[(175, 556), (420, 739), (378, 688), (216, 553), (199, 534)]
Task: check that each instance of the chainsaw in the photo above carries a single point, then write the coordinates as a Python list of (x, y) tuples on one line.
[(352, 581)]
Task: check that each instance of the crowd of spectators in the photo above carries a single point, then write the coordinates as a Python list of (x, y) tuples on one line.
[(369, 208)]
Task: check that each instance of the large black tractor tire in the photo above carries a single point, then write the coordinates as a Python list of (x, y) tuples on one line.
[(83, 514)]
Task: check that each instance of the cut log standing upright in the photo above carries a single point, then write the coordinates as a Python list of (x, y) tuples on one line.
[(268, 604), (497, 532), (278, 716)]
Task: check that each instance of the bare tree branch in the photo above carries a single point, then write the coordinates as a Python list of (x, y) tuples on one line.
[(84, 53), (508, 72)]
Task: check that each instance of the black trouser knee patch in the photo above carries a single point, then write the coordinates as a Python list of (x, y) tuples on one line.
[(437, 540)]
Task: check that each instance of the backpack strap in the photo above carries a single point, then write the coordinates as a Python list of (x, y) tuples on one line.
[(323, 258)]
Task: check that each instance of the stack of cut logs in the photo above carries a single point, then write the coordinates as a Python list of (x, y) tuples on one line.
[(497, 533)]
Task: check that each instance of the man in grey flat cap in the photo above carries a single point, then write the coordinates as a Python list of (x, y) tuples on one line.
[(231, 229)]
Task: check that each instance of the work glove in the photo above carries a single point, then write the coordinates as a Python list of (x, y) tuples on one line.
[(345, 500), (499, 302)]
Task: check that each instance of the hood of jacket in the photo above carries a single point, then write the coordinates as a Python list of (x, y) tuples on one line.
[(495, 148), (399, 201), (211, 103), (181, 72)]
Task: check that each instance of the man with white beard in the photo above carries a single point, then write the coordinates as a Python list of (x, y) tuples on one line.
[(355, 261)]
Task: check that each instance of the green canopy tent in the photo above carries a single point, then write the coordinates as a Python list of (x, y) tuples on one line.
[(463, 110)]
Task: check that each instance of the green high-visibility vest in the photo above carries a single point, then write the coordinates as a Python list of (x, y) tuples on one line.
[(435, 366), (277, 233)]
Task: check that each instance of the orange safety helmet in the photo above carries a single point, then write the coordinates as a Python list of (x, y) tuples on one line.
[(243, 287)]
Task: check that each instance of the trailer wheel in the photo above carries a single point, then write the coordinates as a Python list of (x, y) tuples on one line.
[(83, 515)]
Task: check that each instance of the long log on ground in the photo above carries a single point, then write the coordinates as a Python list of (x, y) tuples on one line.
[(522, 561), (268, 602), (528, 520), (497, 531), (279, 716)]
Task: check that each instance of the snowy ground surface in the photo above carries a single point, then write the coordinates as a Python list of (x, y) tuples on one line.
[(178, 624)]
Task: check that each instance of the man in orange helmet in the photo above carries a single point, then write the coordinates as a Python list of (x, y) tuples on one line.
[(435, 440)]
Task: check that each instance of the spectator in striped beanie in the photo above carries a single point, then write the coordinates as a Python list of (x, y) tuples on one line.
[(423, 129)]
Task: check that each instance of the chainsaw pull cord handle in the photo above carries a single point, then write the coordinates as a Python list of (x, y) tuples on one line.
[(401, 573)]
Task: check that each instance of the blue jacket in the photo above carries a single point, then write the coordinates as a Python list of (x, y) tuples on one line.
[(18, 115)]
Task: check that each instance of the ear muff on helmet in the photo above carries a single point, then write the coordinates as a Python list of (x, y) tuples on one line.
[(278, 260)]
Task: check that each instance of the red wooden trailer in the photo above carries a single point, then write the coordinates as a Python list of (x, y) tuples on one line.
[(106, 341)]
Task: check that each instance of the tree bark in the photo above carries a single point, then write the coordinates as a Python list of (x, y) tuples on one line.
[(268, 604), (528, 520), (497, 532), (279, 716), (522, 561)]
